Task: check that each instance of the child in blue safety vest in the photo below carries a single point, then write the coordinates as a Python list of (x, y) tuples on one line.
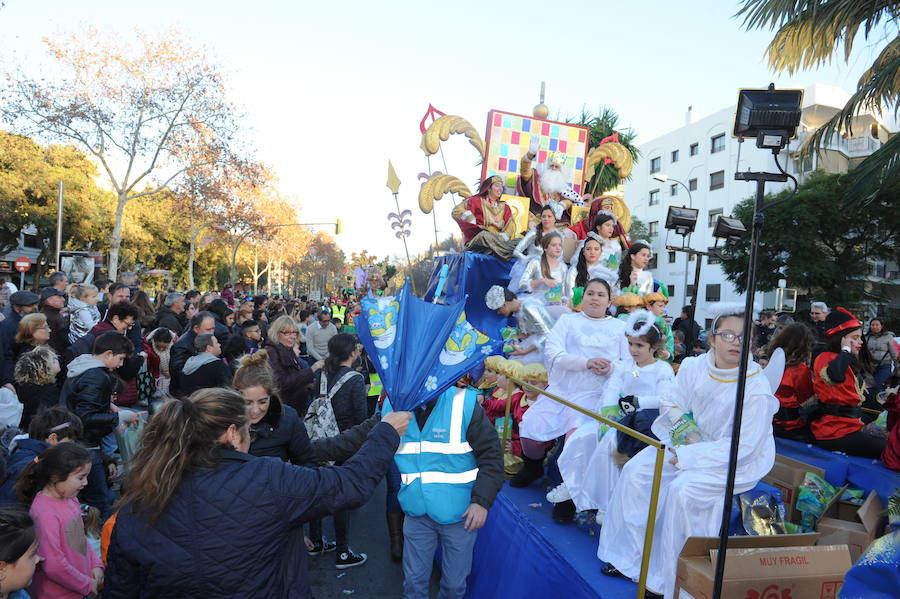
[(451, 468)]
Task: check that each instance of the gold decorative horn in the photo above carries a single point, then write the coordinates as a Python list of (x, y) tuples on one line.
[(617, 153), (441, 129), (435, 188)]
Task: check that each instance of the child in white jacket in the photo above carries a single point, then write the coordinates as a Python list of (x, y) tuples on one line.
[(83, 312)]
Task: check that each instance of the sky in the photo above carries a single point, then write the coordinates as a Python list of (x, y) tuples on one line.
[(331, 91)]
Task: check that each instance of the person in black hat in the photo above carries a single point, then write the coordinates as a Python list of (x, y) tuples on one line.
[(837, 382), (20, 304), (51, 304)]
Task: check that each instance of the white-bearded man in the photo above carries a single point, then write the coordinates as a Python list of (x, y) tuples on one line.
[(547, 183)]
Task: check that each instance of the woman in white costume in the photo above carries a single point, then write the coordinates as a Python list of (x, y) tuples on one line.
[(579, 353), (693, 479), (601, 261), (632, 274), (529, 247), (545, 277), (587, 463)]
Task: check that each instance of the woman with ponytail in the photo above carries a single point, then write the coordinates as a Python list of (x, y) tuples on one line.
[(529, 247), (545, 276), (202, 518)]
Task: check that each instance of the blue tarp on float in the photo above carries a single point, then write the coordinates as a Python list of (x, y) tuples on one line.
[(471, 274)]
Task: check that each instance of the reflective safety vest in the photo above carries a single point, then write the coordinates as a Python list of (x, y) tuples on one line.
[(337, 312), (374, 385), (437, 466)]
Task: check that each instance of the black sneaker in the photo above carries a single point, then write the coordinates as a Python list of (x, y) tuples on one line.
[(322, 546), (349, 559)]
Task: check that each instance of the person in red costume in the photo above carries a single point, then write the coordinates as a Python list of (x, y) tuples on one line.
[(796, 383), (837, 381), (891, 455), (487, 222)]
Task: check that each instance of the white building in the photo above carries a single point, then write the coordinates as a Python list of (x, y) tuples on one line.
[(699, 160)]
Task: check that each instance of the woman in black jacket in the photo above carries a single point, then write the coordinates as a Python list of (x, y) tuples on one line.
[(348, 400), (292, 373)]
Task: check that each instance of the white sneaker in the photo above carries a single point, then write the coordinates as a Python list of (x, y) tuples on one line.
[(559, 494)]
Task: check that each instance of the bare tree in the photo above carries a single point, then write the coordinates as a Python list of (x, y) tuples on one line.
[(130, 105)]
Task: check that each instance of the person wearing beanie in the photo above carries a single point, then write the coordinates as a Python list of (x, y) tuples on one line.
[(838, 383)]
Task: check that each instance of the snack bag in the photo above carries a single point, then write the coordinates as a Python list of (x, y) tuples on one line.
[(509, 335), (610, 412), (554, 295), (814, 495), (685, 431)]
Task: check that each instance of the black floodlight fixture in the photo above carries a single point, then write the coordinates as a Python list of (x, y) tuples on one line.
[(768, 115), (682, 220), (729, 229)]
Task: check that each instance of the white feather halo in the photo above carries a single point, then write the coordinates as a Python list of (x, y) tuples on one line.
[(607, 213), (495, 298), (722, 309), (639, 323)]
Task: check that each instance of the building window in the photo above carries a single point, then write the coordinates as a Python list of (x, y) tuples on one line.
[(653, 261), (717, 180), (717, 143), (707, 324), (806, 163), (692, 184), (672, 257), (653, 227), (713, 217), (673, 190), (714, 292), (30, 241), (674, 155), (714, 256), (655, 165), (671, 289), (691, 290), (695, 149), (654, 197)]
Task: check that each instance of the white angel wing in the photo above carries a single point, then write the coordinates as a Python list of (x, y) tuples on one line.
[(775, 369)]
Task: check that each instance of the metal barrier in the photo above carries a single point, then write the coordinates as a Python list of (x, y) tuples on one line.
[(657, 470)]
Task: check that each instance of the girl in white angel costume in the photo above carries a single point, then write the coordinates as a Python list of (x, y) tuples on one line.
[(529, 247)]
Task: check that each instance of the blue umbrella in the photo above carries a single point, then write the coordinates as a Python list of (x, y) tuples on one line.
[(419, 348)]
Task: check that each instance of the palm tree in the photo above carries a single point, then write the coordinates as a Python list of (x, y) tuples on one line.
[(808, 34), (602, 126)]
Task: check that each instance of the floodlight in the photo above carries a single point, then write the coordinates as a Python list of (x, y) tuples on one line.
[(729, 229), (682, 220), (770, 116)]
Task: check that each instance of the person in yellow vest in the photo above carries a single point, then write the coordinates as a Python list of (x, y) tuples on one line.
[(451, 468)]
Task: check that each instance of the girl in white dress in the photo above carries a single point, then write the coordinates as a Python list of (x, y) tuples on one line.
[(632, 276), (545, 277), (693, 476), (587, 463), (529, 247), (579, 353)]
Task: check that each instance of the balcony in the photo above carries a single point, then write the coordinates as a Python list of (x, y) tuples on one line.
[(852, 147)]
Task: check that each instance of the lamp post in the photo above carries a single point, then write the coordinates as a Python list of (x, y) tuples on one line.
[(687, 258)]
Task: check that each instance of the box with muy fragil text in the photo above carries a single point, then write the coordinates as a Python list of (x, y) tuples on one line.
[(763, 567)]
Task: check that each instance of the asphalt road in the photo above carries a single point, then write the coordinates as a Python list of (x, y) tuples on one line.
[(379, 577)]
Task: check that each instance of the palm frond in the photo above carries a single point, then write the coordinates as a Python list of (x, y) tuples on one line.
[(874, 172), (809, 31)]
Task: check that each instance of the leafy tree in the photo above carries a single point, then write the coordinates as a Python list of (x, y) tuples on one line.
[(602, 126), (638, 230), (808, 34), (818, 241), (131, 106)]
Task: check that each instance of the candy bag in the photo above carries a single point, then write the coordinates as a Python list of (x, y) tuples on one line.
[(554, 295), (610, 412), (814, 495), (685, 431)]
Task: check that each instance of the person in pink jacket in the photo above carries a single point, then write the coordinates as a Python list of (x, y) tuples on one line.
[(70, 568)]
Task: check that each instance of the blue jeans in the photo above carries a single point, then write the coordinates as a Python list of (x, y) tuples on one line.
[(97, 493), (420, 540)]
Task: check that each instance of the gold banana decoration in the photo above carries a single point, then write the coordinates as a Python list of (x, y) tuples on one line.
[(617, 153), (435, 188), (441, 129)]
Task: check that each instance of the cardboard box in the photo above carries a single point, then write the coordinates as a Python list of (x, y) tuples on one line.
[(856, 528), (786, 475), (766, 567)]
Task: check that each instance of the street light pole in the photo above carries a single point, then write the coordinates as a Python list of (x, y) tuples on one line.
[(687, 257)]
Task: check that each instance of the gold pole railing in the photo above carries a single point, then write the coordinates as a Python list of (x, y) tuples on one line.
[(657, 471)]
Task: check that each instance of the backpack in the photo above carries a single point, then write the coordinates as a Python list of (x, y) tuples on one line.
[(319, 420)]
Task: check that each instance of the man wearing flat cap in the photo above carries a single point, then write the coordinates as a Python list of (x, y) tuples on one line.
[(20, 304)]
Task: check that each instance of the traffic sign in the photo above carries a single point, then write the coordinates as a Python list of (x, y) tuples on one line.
[(22, 264)]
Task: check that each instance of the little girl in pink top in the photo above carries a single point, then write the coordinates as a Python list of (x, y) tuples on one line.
[(70, 568)]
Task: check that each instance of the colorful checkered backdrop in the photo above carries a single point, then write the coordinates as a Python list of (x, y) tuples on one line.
[(509, 135)]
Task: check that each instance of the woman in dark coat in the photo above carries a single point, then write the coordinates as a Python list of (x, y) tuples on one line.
[(292, 374), (202, 518)]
